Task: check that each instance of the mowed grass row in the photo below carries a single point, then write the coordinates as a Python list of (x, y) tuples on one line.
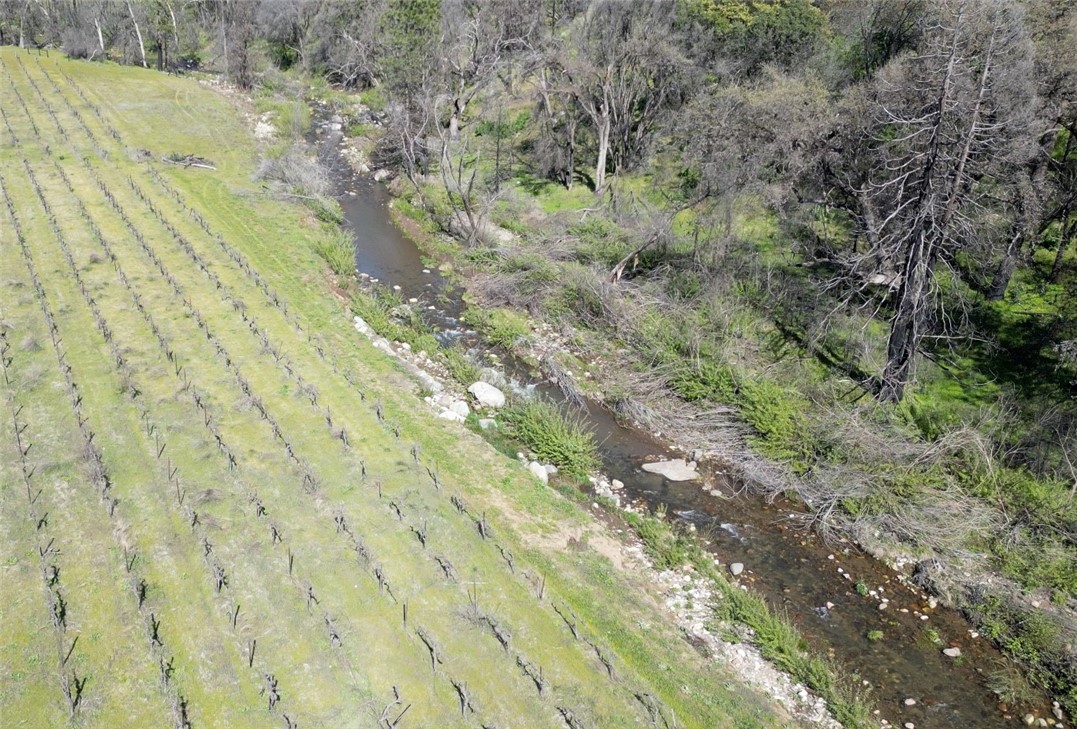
[(226, 519), (113, 653), (303, 683), (295, 271), (29, 645), (282, 516), (208, 670)]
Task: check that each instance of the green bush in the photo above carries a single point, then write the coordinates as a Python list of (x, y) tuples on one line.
[(1033, 640), (600, 241), (381, 309), (338, 250), (706, 381), (553, 436), (776, 413), (326, 210)]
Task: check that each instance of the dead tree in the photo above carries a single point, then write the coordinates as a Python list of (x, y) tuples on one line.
[(926, 164)]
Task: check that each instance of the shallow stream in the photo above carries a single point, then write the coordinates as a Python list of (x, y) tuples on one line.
[(813, 583)]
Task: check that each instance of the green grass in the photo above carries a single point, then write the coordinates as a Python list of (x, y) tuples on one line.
[(321, 685), (776, 638), (500, 326), (338, 250)]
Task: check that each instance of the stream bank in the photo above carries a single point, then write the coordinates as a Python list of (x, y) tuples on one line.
[(925, 664)]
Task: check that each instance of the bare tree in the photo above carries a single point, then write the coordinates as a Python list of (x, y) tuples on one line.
[(477, 38), (930, 158), (346, 41), (626, 71), (138, 33)]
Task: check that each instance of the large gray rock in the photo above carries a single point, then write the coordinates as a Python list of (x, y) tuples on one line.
[(538, 471), (675, 470), (487, 395)]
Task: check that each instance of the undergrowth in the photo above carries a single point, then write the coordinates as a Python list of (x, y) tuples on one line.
[(337, 249), (553, 436)]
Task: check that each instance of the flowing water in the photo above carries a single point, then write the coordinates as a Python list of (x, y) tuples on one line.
[(813, 583)]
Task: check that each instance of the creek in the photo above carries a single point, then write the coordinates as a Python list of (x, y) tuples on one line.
[(817, 585)]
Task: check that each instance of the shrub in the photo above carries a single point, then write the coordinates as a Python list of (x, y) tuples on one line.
[(666, 548), (338, 250), (553, 436), (462, 369)]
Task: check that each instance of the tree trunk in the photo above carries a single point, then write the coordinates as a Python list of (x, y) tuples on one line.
[(1006, 267), (138, 34), (100, 36), (454, 120), (603, 147), (570, 156), (908, 320), (1001, 281), (175, 25)]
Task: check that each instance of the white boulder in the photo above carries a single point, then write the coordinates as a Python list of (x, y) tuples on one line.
[(675, 470), (538, 471), (487, 395)]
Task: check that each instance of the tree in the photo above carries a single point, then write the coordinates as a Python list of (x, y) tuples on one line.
[(558, 119), (924, 166), (1054, 31), (877, 31), (742, 37), (477, 40), (748, 140), (284, 25), (410, 69), (626, 72), (345, 41)]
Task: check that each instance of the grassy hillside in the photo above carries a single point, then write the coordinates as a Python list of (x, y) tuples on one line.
[(217, 508)]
